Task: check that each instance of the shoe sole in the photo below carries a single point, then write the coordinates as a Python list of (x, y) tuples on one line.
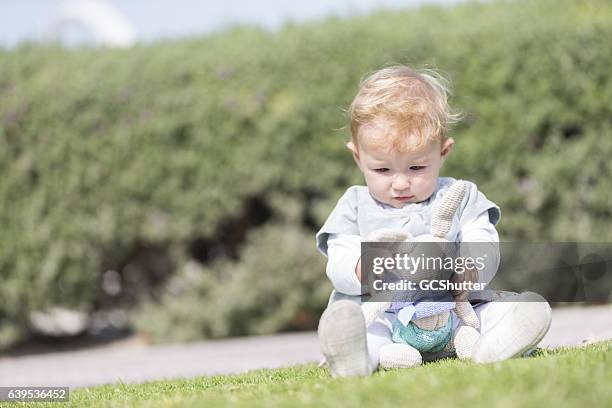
[(342, 336), (523, 326)]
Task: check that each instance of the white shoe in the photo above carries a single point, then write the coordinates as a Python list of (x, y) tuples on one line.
[(342, 336), (513, 328)]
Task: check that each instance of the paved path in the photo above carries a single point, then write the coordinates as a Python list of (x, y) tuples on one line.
[(133, 362)]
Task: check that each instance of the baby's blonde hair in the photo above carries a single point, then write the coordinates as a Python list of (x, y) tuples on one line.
[(406, 103)]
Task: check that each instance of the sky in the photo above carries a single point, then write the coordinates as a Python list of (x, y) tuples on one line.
[(27, 20)]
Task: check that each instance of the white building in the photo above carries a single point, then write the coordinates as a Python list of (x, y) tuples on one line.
[(92, 22)]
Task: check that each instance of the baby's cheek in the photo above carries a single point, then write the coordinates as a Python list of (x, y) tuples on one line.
[(379, 185), (428, 187)]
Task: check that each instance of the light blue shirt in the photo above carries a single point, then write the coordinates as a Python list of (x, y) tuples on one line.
[(358, 213)]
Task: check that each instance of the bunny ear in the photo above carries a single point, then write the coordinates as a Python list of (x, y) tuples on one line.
[(442, 218), (371, 310)]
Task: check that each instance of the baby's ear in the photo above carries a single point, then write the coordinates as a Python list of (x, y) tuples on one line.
[(447, 147), (351, 146)]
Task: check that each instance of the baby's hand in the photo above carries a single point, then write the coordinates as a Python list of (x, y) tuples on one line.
[(388, 235), (469, 275)]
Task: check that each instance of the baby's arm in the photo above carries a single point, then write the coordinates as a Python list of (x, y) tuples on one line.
[(481, 231), (344, 263)]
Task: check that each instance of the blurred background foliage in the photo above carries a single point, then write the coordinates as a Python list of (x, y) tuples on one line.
[(182, 182)]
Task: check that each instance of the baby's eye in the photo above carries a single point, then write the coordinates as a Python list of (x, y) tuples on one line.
[(381, 170), (417, 168)]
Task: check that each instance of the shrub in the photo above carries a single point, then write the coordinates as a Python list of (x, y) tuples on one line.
[(146, 160), (276, 286)]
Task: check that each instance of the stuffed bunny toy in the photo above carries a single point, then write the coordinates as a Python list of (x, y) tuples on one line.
[(426, 326)]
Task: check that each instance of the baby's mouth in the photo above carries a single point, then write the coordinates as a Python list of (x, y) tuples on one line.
[(403, 198)]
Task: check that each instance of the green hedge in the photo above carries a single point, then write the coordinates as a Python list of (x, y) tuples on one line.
[(276, 285), (146, 160)]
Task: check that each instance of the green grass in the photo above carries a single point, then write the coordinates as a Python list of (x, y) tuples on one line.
[(559, 378)]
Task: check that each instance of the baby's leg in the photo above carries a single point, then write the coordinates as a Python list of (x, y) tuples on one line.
[(383, 353), (349, 352), (342, 336), (379, 335), (510, 328)]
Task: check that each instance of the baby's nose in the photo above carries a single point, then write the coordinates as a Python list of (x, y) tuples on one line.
[(401, 183)]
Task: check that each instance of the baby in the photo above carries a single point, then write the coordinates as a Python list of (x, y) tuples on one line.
[(399, 124)]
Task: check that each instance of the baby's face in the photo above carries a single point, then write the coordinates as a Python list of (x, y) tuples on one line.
[(397, 178)]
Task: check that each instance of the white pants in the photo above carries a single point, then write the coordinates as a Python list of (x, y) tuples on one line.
[(379, 332)]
